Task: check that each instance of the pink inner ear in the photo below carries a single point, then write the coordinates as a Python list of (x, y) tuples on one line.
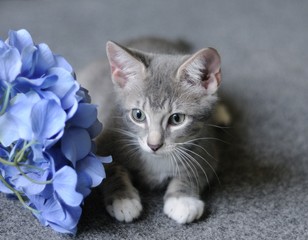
[(212, 82), (118, 76), (209, 78)]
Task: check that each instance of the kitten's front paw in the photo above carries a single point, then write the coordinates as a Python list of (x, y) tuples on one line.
[(183, 209), (125, 210)]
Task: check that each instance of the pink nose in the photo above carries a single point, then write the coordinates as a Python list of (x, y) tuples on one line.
[(155, 147)]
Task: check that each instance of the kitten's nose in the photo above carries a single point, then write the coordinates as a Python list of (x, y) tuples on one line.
[(155, 147)]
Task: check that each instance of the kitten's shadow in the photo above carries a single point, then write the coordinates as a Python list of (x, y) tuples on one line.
[(239, 163)]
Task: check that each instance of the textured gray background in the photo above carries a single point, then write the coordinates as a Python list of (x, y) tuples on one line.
[(263, 190)]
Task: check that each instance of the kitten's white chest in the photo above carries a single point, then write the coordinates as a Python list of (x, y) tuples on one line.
[(157, 169)]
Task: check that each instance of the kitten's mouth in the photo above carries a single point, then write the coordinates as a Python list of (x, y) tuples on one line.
[(153, 149)]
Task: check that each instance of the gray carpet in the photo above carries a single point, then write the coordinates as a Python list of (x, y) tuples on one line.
[(263, 189)]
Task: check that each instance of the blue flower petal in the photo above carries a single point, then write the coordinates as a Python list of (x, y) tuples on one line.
[(23, 184), (20, 39), (95, 129), (53, 210), (43, 82), (48, 143), (3, 47), (38, 202), (83, 95), (84, 183), (59, 227), (3, 173), (45, 59), (38, 152), (69, 223), (4, 189), (28, 58), (57, 158), (17, 119), (61, 62), (3, 152), (64, 84), (10, 174), (49, 96), (93, 167), (76, 144), (72, 110), (49, 210), (47, 118), (59, 216), (69, 98), (64, 183), (107, 159), (10, 65), (10, 133), (85, 115), (65, 88)]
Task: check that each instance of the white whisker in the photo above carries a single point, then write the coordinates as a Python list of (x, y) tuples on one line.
[(176, 170), (205, 138), (192, 159), (129, 141), (196, 145), (202, 158), (185, 161), (217, 126)]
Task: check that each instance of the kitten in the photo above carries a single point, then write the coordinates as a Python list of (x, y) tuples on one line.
[(158, 124)]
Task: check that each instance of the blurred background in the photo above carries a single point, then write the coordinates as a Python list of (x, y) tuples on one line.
[(247, 31)]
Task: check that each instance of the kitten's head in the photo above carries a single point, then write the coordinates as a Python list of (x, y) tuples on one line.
[(166, 99)]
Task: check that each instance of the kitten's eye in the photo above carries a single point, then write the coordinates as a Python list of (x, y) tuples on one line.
[(176, 119), (138, 115)]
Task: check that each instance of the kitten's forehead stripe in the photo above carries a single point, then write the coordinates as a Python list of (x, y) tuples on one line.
[(157, 103)]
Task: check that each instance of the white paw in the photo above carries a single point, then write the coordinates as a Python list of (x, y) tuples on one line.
[(125, 210), (184, 209)]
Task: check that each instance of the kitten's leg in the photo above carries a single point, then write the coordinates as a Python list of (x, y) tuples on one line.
[(182, 202), (121, 198)]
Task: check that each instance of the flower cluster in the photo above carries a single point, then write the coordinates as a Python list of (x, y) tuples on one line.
[(46, 129)]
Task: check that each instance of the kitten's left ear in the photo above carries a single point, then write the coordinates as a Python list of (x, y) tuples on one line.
[(124, 66), (202, 69)]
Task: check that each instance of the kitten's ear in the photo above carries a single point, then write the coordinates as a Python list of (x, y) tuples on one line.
[(202, 69), (124, 66)]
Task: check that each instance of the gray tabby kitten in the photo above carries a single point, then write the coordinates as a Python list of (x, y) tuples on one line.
[(158, 118)]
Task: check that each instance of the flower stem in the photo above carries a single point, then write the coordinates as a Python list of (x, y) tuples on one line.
[(18, 195), (33, 180), (5, 162), (18, 166), (18, 163), (6, 100), (20, 155)]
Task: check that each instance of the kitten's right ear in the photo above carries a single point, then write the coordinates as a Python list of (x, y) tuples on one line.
[(124, 66), (202, 69)]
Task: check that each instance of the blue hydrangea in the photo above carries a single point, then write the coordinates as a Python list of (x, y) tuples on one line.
[(47, 127)]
